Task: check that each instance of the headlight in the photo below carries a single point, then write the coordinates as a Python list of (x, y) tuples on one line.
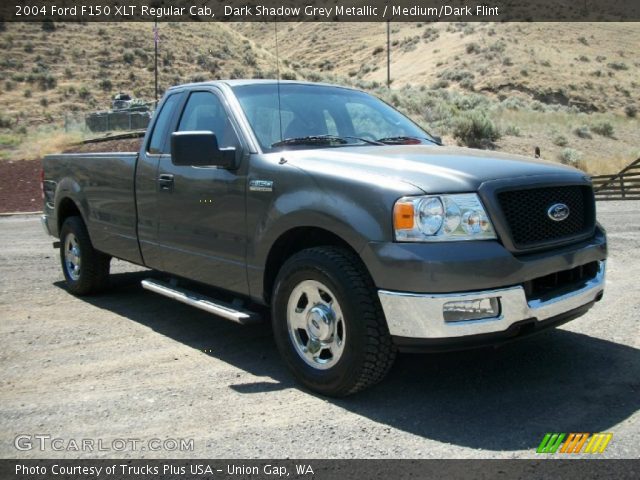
[(441, 218)]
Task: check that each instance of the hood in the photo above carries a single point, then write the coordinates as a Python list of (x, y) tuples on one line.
[(433, 169)]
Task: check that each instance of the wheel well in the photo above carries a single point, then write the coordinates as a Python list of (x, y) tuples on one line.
[(290, 243), (66, 209)]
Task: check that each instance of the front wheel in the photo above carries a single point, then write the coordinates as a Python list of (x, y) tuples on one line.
[(85, 269), (328, 322)]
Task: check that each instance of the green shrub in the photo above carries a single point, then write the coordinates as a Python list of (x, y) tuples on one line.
[(603, 128), (168, 59), (128, 57), (4, 122), (472, 48), (560, 140), (237, 72), (430, 34), (467, 84), (513, 103), (250, 58), (583, 132), (571, 157), (378, 50), (513, 131), (631, 111), (475, 129), (84, 93), (456, 75), (140, 53), (498, 46), (618, 66), (440, 84), (106, 85), (48, 25), (47, 81)]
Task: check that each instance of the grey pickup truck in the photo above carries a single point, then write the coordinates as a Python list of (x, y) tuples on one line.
[(360, 232)]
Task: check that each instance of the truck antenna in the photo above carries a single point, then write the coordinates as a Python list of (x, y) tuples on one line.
[(275, 25)]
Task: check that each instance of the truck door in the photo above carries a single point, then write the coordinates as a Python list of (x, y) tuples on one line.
[(201, 210), (155, 147)]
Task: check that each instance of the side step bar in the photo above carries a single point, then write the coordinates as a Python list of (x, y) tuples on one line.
[(207, 304)]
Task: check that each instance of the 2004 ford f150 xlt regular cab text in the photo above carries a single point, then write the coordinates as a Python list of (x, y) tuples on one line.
[(358, 229)]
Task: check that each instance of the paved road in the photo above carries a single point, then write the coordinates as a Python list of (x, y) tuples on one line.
[(132, 365)]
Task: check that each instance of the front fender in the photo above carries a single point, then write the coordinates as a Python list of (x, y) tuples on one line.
[(354, 208)]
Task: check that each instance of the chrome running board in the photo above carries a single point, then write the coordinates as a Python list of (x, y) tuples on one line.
[(222, 309)]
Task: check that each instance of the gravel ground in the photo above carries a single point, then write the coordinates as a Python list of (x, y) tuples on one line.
[(20, 189), (129, 364)]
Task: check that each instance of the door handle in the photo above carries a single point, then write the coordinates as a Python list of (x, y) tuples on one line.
[(165, 182)]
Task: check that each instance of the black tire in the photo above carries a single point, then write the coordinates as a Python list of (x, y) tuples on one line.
[(368, 352), (92, 275)]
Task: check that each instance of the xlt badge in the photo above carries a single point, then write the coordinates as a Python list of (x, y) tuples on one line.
[(261, 185)]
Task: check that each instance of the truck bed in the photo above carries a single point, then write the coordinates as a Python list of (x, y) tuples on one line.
[(102, 185)]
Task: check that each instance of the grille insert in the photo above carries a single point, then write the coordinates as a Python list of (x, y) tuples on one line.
[(526, 213)]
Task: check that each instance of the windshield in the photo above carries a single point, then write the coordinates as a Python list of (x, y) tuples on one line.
[(315, 116)]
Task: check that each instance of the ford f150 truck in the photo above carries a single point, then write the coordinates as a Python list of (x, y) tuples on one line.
[(358, 229)]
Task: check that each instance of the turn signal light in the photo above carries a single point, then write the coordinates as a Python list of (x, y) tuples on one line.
[(403, 216)]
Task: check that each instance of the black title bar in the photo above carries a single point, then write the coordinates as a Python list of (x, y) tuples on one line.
[(123, 469), (320, 10)]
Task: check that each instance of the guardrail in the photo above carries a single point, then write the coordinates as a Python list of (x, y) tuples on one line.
[(624, 185)]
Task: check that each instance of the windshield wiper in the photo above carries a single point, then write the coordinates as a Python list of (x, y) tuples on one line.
[(323, 140), (404, 140)]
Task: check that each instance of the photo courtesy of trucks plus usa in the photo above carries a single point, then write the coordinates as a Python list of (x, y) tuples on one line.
[(360, 232)]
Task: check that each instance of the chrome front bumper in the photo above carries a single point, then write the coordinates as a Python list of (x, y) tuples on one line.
[(421, 315)]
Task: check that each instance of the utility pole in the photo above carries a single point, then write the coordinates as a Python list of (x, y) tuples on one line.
[(155, 74), (388, 54)]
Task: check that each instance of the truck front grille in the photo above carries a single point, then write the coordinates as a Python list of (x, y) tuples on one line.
[(527, 217)]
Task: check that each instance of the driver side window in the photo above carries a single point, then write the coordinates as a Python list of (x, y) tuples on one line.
[(204, 111)]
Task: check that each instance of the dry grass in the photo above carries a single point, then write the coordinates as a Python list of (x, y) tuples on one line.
[(47, 142), (600, 154), (552, 62)]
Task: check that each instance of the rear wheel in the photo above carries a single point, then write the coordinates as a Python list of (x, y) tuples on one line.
[(85, 269), (328, 322)]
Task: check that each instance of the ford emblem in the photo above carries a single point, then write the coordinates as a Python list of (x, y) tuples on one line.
[(558, 212)]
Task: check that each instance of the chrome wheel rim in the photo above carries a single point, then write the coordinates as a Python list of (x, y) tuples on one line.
[(315, 324), (72, 259)]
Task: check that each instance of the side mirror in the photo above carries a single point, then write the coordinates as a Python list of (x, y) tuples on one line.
[(200, 149)]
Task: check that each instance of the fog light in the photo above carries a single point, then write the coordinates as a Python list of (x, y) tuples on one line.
[(478, 309)]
